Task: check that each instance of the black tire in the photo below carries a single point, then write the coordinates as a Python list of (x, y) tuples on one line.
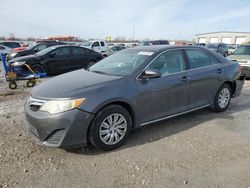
[(38, 69), (12, 85), (216, 106), (31, 83), (89, 64), (95, 128), (226, 54)]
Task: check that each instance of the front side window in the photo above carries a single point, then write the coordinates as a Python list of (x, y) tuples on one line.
[(62, 51), (2, 48), (96, 44), (197, 58), (169, 63)]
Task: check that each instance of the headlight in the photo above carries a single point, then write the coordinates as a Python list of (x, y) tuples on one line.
[(57, 106), (19, 63)]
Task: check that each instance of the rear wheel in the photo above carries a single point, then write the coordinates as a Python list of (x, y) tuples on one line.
[(110, 128), (222, 98)]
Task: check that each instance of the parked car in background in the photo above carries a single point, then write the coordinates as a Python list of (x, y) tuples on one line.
[(242, 55), (59, 59), (231, 48), (153, 42), (145, 43), (98, 46), (130, 89), (11, 44), (115, 49), (220, 48), (34, 49), (4, 50)]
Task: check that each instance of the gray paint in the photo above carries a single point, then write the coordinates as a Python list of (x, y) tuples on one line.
[(150, 99)]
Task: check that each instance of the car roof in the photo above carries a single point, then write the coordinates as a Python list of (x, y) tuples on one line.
[(159, 48)]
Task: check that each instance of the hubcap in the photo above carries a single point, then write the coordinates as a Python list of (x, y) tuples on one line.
[(224, 98), (113, 129)]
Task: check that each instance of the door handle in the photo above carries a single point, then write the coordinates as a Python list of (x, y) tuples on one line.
[(185, 78), (219, 71)]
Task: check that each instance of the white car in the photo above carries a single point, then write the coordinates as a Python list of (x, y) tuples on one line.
[(4, 50), (98, 46)]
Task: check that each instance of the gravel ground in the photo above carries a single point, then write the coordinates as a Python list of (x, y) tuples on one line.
[(200, 149)]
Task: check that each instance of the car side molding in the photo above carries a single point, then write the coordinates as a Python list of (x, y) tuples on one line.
[(174, 115)]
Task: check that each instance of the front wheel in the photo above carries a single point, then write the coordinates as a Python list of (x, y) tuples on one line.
[(222, 98), (38, 69), (110, 128)]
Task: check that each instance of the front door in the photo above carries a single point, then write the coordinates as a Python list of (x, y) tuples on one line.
[(167, 95), (59, 60)]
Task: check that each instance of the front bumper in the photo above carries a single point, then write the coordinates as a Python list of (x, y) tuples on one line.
[(63, 130)]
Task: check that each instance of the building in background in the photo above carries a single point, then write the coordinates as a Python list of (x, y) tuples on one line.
[(224, 37)]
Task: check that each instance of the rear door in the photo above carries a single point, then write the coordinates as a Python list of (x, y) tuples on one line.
[(80, 57), (205, 77), (167, 95), (59, 60)]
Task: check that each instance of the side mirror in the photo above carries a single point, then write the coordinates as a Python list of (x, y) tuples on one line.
[(149, 74), (35, 50)]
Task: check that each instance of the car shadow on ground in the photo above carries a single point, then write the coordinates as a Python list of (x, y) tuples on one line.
[(170, 127)]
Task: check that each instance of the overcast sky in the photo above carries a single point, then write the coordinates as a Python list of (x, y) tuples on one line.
[(151, 19)]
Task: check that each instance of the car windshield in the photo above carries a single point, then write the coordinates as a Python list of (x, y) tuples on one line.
[(86, 43), (242, 50), (122, 63), (212, 45), (45, 51)]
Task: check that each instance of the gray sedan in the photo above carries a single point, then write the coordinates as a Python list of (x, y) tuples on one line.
[(130, 89)]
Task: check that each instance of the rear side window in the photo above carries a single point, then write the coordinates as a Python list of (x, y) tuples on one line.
[(197, 58), (102, 43), (213, 60), (62, 51), (79, 51), (2, 48)]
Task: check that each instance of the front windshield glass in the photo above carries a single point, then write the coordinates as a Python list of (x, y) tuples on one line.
[(242, 50), (45, 51), (212, 45), (86, 43), (122, 63)]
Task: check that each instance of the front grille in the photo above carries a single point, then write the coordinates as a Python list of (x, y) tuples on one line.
[(35, 104), (56, 137)]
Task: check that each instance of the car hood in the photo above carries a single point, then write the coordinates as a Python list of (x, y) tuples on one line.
[(239, 57), (74, 84), (24, 58)]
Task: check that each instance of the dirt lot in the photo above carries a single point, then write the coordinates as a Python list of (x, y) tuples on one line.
[(200, 149)]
